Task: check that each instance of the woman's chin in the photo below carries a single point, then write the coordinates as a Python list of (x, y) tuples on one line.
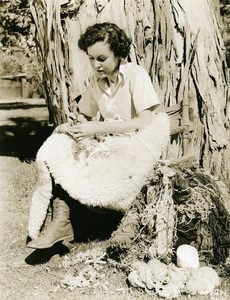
[(101, 75)]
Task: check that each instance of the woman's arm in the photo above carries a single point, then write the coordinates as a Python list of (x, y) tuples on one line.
[(81, 130)]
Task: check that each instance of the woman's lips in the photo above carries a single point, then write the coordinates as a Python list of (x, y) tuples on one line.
[(101, 73)]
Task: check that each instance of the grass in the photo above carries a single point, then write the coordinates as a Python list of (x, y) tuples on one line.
[(23, 128), (41, 281)]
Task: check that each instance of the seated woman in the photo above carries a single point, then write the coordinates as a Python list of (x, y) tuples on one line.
[(123, 94)]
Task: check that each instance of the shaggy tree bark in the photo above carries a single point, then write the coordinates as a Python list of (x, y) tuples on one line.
[(177, 41)]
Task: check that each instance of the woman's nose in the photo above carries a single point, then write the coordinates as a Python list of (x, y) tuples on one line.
[(97, 65)]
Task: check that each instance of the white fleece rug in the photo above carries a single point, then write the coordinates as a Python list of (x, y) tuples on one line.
[(108, 173)]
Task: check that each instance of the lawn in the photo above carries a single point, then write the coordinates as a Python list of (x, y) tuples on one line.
[(54, 274)]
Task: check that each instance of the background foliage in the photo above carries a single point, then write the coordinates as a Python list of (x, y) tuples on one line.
[(225, 13), (17, 44), (16, 20)]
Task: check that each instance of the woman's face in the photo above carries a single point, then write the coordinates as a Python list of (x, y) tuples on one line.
[(102, 60)]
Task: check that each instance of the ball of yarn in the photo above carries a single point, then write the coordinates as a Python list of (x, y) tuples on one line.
[(187, 257)]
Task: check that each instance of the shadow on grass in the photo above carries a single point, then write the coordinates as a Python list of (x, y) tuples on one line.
[(20, 105), (42, 256), (24, 138)]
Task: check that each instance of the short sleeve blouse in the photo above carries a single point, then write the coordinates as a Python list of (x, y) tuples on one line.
[(133, 93)]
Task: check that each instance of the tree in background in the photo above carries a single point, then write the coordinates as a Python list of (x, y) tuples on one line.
[(17, 44)]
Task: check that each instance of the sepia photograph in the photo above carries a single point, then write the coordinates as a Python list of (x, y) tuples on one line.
[(115, 149)]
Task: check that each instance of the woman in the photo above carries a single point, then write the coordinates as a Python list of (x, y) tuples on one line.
[(119, 91)]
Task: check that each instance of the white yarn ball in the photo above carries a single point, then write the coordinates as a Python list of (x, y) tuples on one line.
[(187, 257)]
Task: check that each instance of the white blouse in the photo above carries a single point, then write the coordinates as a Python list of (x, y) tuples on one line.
[(133, 93)]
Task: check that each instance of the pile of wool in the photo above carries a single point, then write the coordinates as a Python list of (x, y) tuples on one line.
[(170, 281)]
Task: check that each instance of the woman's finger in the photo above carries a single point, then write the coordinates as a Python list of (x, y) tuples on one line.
[(75, 130), (78, 135), (80, 138)]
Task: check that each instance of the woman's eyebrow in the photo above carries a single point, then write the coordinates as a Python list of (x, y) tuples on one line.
[(99, 56)]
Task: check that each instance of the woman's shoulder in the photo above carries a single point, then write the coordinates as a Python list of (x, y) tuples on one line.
[(132, 67), (133, 71)]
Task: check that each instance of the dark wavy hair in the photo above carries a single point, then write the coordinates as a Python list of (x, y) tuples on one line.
[(109, 32)]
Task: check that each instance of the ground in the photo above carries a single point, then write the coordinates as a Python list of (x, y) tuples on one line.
[(70, 271)]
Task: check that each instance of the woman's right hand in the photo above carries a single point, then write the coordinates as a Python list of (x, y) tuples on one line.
[(69, 126)]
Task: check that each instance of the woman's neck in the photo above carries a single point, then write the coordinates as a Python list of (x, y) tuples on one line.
[(113, 78)]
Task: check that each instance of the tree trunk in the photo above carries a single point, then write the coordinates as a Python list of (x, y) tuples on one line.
[(180, 45)]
